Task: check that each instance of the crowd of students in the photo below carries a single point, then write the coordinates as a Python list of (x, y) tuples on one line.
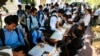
[(31, 26)]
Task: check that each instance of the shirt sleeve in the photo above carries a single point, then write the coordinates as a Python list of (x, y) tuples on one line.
[(34, 37)]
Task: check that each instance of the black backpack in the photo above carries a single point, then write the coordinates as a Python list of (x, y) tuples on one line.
[(47, 22)]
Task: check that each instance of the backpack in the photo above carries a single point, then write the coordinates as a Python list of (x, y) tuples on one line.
[(47, 22), (35, 34), (38, 17), (20, 12), (30, 18)]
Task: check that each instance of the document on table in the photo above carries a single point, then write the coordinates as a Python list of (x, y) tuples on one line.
[(38, 51), (58, 35), (68, 26), (7, 50)]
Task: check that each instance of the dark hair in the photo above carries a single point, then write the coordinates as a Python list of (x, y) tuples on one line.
[(54, 11), (45, 10), (21, 48), (63, 48), (61, 11), (98, 5), (52, 7), (66, 4), (19, 6), (56, 4), (47, 4), (27, 7), (89, 10), (33, 9), (82, 25), (40, 6), (11, 19)]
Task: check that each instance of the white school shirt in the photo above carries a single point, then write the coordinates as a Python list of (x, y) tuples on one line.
[(34, 23), (97, 12), (87, 19), (53, 21)]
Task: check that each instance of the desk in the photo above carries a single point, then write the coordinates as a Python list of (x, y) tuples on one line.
[(38, 51), (58, 35), (7, 50)]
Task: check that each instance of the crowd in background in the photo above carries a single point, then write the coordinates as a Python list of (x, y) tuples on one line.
[(31, 26)]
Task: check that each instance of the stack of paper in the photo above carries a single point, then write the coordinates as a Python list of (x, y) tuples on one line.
[(7, 50), (58, 35), (38, 51)]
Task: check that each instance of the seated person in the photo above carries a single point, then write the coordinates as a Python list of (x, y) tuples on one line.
[(12, 36)]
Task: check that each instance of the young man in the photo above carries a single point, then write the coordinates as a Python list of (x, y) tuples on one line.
[(12, 36), (33, 27), (20, 12), (53, 20), (23, 20), (40, 12)]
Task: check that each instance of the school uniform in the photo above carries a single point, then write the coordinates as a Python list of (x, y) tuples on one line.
[(53, 21), (12, 38), (32, 25)]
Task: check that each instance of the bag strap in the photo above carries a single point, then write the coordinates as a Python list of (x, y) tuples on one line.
[(2, 36)]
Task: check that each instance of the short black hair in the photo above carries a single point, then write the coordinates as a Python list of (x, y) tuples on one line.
[(61, 11), (33, 9), (19, 6), (45, 10), (27, 7), (98, 5), (11, 19), (21, 48), (40, 6)]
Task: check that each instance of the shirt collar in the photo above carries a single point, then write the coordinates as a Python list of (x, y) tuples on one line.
[(33, 16), (5, 30)]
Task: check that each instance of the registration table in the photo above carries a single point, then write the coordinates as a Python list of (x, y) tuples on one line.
[(58, 35)]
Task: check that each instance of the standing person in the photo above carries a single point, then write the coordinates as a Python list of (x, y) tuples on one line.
[(87, 17), (33, 28), (44, 17), (40, 14), (23, 22), (60, 21), (12, 36), (96, 14), (53, 20), (20, 12)]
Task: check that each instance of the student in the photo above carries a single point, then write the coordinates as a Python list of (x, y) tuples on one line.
[(60, 21), (33, 27), (96, 14), (87, 17), (23, 20), (44, 17), (12, 36), (40, 13), (53, 20), (32, 22), (62, 48), (20, 12), (76, 41)]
